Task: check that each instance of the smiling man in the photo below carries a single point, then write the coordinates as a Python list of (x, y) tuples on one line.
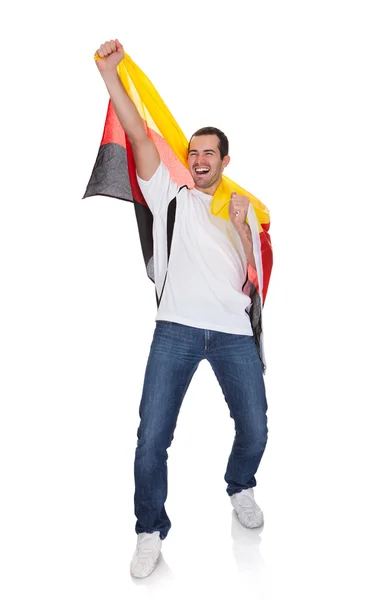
[(202, 315)]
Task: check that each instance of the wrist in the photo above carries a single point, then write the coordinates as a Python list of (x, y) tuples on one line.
[(110, 75)]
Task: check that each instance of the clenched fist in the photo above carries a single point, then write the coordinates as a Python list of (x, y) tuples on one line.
[(238, 209), (111, 53)]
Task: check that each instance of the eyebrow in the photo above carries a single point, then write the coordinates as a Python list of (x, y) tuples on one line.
[(207, 150)]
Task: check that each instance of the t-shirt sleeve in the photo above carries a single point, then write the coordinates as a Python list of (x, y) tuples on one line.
[(159, 190)]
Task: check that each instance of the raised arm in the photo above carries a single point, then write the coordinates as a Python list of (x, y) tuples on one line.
[(144, 151)]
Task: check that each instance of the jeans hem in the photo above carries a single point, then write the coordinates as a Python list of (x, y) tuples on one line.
[(162, 535), (237, 491)]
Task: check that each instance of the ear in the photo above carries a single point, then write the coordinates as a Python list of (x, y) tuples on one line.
[(226, 161)]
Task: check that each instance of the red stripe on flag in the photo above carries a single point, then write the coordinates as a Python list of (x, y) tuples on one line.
[(266, 258), (252, 276), (267, 263), (113, 132)]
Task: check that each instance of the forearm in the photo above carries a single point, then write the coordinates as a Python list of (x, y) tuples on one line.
[(125, 109), (245, 235)]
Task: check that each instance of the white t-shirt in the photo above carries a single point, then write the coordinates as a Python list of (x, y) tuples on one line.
[(207, 265)]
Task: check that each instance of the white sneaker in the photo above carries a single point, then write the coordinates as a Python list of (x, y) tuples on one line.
[(248, 512), (146, 555)]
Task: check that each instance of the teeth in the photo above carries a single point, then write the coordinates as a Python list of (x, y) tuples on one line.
[(201, 170)]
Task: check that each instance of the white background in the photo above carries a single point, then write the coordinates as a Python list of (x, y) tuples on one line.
[(295, 87)]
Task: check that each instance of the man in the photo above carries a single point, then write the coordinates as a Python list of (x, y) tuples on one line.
[(201, 315)]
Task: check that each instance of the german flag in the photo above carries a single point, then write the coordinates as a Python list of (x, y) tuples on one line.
[(114, 173)]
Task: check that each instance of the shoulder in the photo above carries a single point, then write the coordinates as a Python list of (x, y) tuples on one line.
[(160, 176)]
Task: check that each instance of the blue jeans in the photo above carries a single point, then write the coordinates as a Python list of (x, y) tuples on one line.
[(175, 354)]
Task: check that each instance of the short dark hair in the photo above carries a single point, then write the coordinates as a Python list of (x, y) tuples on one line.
[(223, 140)]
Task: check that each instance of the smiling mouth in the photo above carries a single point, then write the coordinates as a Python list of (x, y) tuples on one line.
[(202, 171)]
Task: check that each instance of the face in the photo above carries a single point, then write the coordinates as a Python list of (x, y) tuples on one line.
[(205, 163)]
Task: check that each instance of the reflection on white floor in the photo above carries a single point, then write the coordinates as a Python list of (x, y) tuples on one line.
[(246, 547)]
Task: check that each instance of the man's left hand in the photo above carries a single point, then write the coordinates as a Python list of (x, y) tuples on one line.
[(238, 209)]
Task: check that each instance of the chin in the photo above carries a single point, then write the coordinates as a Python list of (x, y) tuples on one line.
[(203, 184)]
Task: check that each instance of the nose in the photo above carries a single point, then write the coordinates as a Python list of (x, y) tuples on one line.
[(201, 160)]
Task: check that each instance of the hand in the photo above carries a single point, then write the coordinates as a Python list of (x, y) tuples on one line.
[(111, 53), (238, 209)]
